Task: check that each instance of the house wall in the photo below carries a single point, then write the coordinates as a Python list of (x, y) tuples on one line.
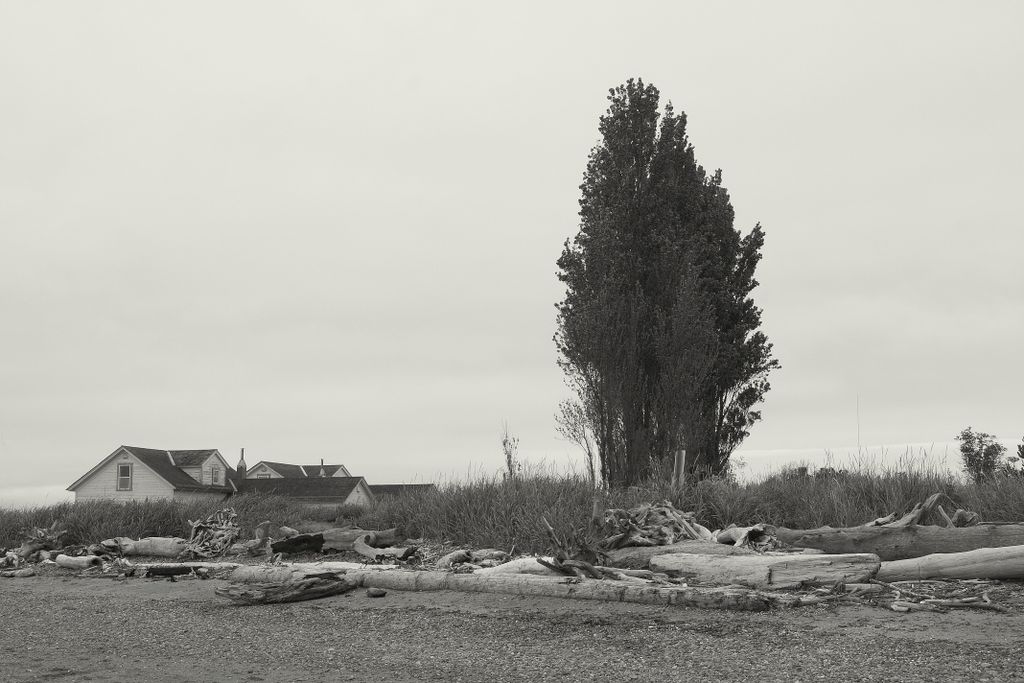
[(103, 482), (199, 496), (359, 496), (207, 471)]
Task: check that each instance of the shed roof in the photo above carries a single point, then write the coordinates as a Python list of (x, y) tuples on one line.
[(305, 487), (399, 489)]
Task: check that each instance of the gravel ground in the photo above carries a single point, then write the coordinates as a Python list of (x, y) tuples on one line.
[(79, 629)]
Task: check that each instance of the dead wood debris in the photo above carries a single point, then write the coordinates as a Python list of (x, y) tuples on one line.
[(213, 536), (910, 596)]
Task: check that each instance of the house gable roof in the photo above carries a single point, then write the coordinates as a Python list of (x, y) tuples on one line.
[(304, 487), (162, 464), (314, 470), (191, 458)]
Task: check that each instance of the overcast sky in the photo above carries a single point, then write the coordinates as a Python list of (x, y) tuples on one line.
[(329, 230)]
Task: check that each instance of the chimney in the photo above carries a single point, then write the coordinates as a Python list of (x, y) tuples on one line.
[(322, 472), (242, 469)]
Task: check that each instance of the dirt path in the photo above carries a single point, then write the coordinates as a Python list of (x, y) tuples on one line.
[(67, 629)]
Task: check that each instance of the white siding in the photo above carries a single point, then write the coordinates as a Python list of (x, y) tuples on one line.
[(341, 472), (199, 496), (211, 462), (358, 496), (103, 482)]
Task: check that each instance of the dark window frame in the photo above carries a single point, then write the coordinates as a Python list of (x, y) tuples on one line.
[(118, 478)]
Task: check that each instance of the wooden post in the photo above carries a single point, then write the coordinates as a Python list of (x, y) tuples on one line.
[(678, 468)]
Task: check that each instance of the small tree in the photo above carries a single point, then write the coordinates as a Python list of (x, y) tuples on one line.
[(510, 446), (981, 453)]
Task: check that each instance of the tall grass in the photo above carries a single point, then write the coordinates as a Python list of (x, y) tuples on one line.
[(496, 511)]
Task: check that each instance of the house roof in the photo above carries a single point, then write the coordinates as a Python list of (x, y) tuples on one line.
[(399, 489), (191, 458), (284, 469), (305, 487), (314, 470), (162, 464)]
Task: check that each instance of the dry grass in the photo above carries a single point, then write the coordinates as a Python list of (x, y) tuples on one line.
[(490, 511)]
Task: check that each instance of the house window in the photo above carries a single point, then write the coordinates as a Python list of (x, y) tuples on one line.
[(124, 477), (215, 473)]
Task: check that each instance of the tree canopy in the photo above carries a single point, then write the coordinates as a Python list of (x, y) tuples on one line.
[(657, 334)]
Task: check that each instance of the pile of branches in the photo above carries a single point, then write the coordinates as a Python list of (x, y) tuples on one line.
[(917, 595), (650, 524), (213, 536)]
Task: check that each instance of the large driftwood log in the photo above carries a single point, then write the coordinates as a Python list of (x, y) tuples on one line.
[(527, 585), (769, 571), (640, 558), (901, 543), (344, 539), (22, 573), (587, 589), (309, 587), (285, 572), (83, 562), (154, 546), (303, 543), (984, 563), (364, 546)]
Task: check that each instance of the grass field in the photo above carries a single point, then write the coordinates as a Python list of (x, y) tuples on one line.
[(491, 511)]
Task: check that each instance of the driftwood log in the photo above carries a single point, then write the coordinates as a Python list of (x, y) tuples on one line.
[(22, 573), (904, 542), (527, 585), (309, 587), (364, 546), (769, 571), (640, 557), (333, 540), (83, 562), (984, 563), (154, 546), (586, 589)]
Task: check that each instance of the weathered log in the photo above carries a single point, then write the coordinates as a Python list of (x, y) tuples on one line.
[(769, 571), (154, 546), (640, 558), (362, 545), (520, 565), (83, 562), (343, 539), (303, 543), (587, 589), (309, 587), (901, 543), (18, 573), (983, 563), (295, 571)]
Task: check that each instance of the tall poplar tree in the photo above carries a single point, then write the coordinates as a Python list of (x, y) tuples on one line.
[(657, 333)]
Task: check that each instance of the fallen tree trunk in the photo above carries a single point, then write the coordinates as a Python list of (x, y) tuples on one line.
[(285, 572), (984, 563), (23, 573), (587, 589), (528, 585), (83, 562), (769, 571), (154, 546), (364, 546), (344, 539), (309, 587), (901, 543), (640, 557)]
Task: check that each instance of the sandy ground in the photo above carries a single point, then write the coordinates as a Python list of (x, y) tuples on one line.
[(89, 629)]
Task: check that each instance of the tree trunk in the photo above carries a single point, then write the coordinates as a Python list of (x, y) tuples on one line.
[(984, 563), (587, 589), (640, 558), (769, 571), (901, 543)]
